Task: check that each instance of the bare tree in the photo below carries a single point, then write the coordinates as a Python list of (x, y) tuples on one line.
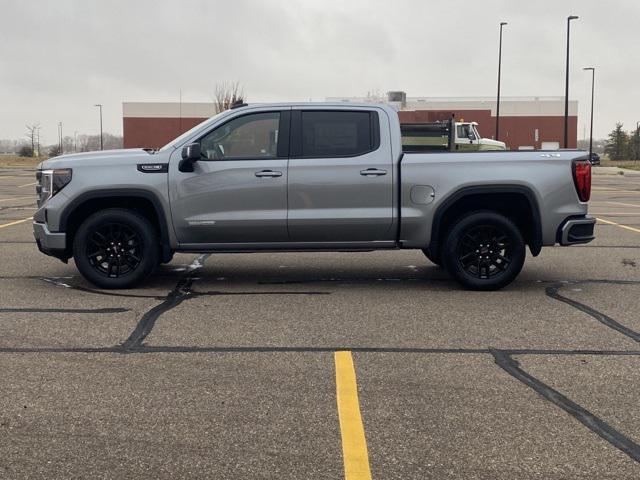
[(90, 143), (228, 94), (32, 135)]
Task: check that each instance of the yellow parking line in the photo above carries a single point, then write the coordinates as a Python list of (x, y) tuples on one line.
[(637, 230), (603, 190), (354, 443), (625, 204), (16, 198), (617, 214), (28, 184), (16, 222)]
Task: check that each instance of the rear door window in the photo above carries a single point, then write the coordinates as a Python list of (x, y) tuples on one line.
[(338, 133)]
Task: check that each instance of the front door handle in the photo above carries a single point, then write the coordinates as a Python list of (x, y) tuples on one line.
[(372, 172), (268, 173)]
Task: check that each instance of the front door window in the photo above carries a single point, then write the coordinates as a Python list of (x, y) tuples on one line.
[(248, 137)]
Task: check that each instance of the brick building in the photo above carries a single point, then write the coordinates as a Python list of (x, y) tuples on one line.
[(525, 122)]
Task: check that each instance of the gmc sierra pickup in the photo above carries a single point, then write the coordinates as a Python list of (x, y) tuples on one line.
[(309, 176)]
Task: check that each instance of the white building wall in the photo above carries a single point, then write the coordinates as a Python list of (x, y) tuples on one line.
[(509, 106)]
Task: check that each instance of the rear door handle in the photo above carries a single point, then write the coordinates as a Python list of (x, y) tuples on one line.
[(372, 172), (268, 173)]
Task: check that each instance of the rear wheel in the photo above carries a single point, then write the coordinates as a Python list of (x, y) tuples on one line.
[(116, 248), (484, 251)]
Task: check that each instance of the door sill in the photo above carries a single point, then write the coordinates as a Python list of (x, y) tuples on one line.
[(286, 246)]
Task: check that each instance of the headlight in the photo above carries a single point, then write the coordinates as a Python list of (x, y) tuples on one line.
[(51, 182)]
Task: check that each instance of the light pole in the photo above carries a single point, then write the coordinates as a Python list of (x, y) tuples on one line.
[(75, 141), (60, 136), (637, 141), (566, 88), (593, 79), (99, 105), (502, 24)]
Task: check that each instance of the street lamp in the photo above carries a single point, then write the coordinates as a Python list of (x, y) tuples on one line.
[(502, 24), (60, 136), (593, 78), (637, 141), (566, 88), (99, 105)]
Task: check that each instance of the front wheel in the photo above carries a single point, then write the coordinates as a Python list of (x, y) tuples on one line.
[(432, 258), (116, 248), (484, 251)]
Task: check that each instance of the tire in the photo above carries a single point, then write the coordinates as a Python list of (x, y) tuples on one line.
[(432, 258), (169, 259), (484, 251), (116, 248)]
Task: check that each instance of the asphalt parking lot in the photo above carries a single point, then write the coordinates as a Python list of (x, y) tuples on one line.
[(240, 365)]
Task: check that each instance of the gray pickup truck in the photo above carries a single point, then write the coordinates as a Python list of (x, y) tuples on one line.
[(309, 176)]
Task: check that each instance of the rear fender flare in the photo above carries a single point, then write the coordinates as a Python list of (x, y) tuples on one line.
[(535, 244)]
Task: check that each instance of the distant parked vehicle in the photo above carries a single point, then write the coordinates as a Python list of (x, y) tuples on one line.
[(595, 159), (449, 135)]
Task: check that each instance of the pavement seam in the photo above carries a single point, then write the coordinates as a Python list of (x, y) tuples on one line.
[(148, 349), (63, 310)]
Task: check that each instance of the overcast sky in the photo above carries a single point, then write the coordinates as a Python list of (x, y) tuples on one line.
[(58, 58)]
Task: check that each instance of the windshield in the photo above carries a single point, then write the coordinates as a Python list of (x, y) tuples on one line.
[(475, 132), (177, 141)]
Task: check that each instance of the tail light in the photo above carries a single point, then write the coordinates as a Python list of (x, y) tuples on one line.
[(582, 179)]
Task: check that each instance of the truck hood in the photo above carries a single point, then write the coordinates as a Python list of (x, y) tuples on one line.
[(493, 143), (129, 155)]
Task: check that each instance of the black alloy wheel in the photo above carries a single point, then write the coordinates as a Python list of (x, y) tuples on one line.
[(116, 248), (484, 251)]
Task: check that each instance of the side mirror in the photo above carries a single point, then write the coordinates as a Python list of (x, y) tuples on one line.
[(190, 153)]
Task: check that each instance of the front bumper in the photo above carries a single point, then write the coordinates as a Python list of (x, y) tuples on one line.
[(576, 230), (50, 243)]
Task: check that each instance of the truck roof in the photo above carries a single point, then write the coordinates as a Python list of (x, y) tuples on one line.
[(320, 104)]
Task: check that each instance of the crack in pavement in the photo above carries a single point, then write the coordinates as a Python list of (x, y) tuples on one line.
[(181, 292), (175, 297), (553, 291), (584, 416), (57, 281), (502, 357)]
